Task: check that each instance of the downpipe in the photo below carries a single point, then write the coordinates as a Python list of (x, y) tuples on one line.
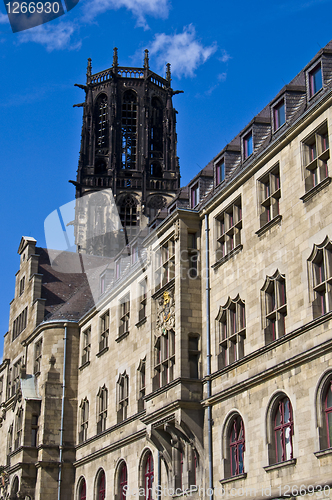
[(208, 353), (62, 412)]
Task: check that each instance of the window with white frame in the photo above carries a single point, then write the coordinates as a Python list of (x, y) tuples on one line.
[(18, 428), (274, 304), (165, 263), (38, 356), (164, 359), (315, 80), (247, 145), (279, 115), (316, 154), (220, 171), (229, 226), (84, 411), (231, 330), (142, 300), (122, 397), (269, 195), (104, 330), (101, 409), (124, 315), (141, 384), (16, 377), (86, 345)]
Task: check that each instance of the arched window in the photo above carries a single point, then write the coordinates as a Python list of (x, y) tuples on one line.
[(231, 327), (122, 481), (320, 274), (83, 434), (129, 130), (274, 308), (101, 122), (156, 132), (283, 430), (236, 445), (128, 216), (102, 409), (82, 490), (148, 476), (328, 413), (101, 486), (156, 170), (15, 488)]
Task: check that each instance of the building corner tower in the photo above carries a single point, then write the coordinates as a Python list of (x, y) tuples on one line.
[(128, 146)]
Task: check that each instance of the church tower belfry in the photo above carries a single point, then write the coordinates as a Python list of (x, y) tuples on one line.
[(128, 143)]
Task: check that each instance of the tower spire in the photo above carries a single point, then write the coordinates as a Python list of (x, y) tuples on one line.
[(168, 73), (88, 71), (146, 59), (115, 58)]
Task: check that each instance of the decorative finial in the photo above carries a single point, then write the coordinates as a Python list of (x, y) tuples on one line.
[(146, 59), (52, 361), (168, 73), (115, 57), (89, 68)]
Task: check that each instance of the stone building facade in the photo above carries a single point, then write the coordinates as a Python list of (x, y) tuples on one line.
[(197, 360)]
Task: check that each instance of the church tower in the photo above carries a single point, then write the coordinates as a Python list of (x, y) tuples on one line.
[(128, 146)]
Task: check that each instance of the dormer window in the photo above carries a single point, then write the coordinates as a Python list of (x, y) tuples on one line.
[(220, 171), (279, 114), (194, 195), (315, 80), (247, 145)]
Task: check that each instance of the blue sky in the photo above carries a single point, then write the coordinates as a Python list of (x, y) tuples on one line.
[(230, 58)]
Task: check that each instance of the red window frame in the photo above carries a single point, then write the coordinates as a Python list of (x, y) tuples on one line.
[(283, 431), (101, 486), (237, 446), (123, 481), (83, 490), (148, 476), (328, 412)]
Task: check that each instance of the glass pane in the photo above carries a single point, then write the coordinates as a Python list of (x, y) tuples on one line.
[(278, 446), (286, 411), (233, 459), (329, 421), (241, 469), (278, 417), (329, 397), (288, 443)]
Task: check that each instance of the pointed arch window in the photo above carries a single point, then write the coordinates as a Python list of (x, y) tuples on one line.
[(148, 476), (123, 474), (156, 131), (283, 430), (129, 130), (274, 306), (328, 413), (231, 329), (122, 390), (102, 409), (101, 486), (320, 273), (237, 446), (101, 122), (83, 435), (82, 490), (19, 428)]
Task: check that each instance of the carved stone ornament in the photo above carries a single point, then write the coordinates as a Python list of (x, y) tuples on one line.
[(165, 312), (157, 202), (177, 230)]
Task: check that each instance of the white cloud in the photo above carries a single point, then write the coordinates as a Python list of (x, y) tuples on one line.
[(184, 51), (3, 18), (54, 37), (139, 8), (225, 56), (222, 77)]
